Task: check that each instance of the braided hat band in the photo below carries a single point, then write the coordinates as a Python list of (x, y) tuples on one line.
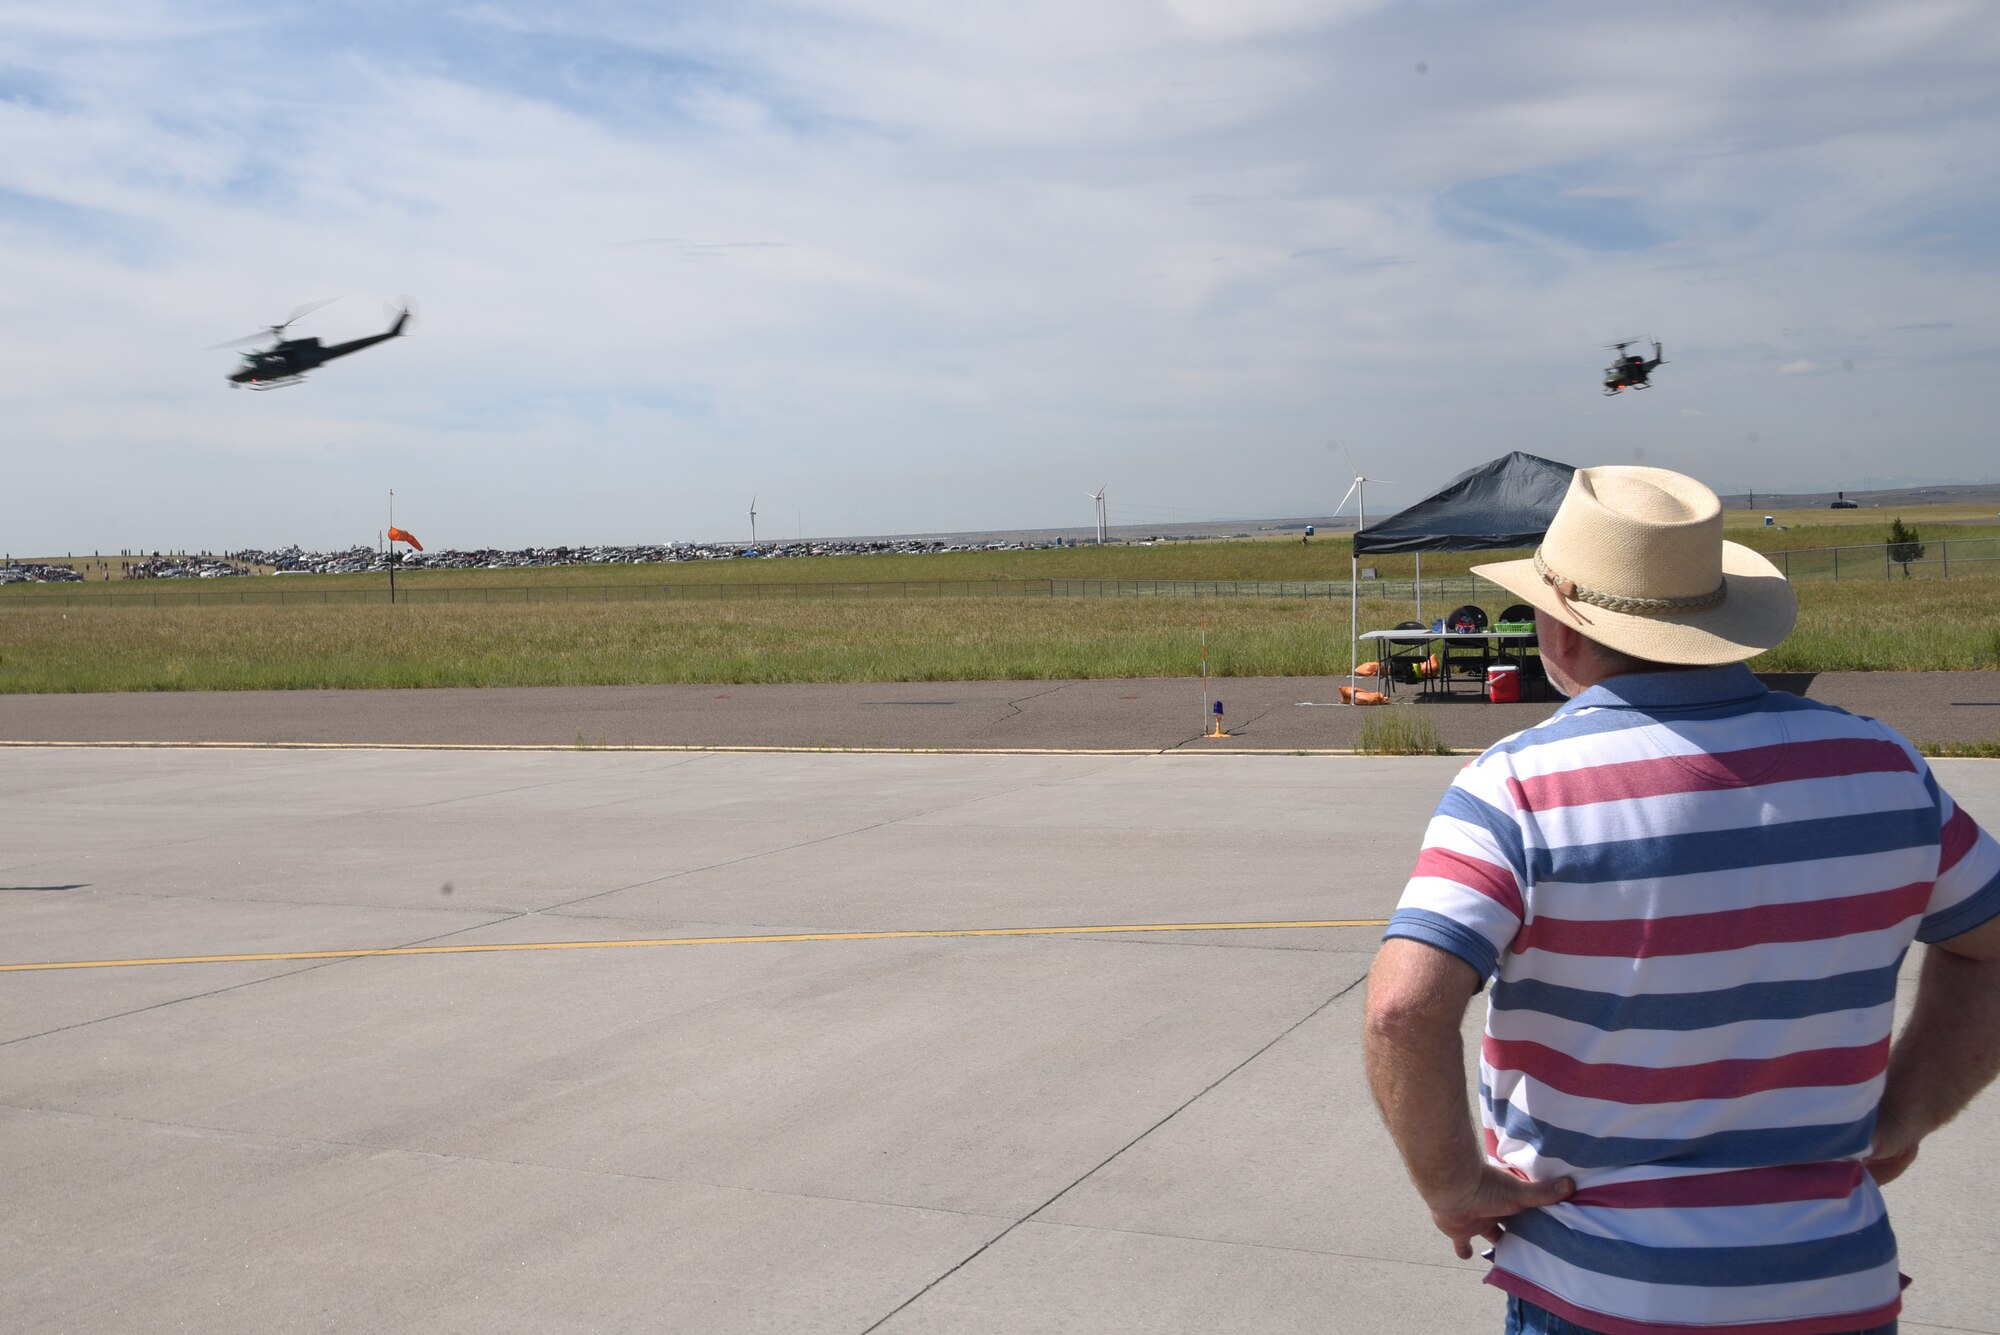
[(1568, 591)]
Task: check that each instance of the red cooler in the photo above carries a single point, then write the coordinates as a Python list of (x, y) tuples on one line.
[(1503, 684)]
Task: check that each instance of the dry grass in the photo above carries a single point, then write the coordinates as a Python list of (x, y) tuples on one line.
[(1892, 625), (1395, 732), (552, 644), (1962, 750)]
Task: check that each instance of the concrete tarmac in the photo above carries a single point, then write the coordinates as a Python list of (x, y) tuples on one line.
[(559, 1120)]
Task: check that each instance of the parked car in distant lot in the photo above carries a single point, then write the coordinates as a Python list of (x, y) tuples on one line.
[(1843, 505), (35, 574)]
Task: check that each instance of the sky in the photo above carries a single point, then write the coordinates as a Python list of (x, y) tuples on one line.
[(894, 266)]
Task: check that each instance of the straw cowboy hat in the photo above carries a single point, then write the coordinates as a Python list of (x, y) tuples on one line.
[(1635, 560)]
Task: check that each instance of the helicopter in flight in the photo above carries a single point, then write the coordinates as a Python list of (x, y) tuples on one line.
[(287, 360), (1630, 371)]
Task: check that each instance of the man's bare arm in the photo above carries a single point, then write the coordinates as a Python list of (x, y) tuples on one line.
[(1949, 1050), (1417, 996)]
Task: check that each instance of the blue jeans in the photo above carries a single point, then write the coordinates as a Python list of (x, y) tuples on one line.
[(1524, 1318)]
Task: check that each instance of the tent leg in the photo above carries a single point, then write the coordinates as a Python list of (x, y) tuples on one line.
[(1420, 587), (1353, 624)]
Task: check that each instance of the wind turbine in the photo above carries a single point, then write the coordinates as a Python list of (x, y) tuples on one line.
[(753, 521), (1359, 486), (1098, 496)]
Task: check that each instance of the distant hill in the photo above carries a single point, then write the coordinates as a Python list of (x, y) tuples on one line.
[(1942, 493)]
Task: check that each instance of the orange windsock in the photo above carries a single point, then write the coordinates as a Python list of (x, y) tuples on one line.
[(398, 535)]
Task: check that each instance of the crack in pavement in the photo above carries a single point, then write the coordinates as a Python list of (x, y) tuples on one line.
[(1111, 1158), (1014, 706)]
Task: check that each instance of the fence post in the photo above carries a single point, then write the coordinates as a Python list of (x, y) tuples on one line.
[(1836, 564), (1787, 556), (1944, 547), (1885, 561)]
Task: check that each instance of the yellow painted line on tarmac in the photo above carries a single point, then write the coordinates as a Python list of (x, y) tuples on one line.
[(280, 956)]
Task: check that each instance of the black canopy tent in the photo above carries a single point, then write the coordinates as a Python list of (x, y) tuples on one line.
[(1507, 502), (1504, 503)]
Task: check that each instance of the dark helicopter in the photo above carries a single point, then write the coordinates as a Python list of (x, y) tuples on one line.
[(1630, 372), (287, 360)]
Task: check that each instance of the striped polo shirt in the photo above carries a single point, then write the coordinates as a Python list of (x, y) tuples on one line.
[(1693, 895)]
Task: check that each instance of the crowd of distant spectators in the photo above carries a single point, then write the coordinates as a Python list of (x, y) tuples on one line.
[(292, 560), (355, 560)]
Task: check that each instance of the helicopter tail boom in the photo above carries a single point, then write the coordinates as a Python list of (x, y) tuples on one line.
[(395, 330)]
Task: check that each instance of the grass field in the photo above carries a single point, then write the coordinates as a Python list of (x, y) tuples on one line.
[(549, 644), (1859, 625), (102, 637)]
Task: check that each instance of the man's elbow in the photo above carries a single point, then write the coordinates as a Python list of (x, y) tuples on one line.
[(1416, 990), (1393, 1013)]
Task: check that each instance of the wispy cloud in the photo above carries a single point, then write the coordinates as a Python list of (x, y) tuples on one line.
[(913, 262)]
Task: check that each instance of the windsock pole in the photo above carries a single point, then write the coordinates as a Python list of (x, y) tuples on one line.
[(1204, 673), (1211, 712)]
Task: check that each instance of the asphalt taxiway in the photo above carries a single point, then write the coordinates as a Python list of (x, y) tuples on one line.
[(1126, 714)]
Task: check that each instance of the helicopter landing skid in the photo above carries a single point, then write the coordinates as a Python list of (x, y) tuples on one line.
[(278, 383)]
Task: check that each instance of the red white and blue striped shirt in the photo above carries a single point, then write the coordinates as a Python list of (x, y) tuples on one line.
[(1693, 896)]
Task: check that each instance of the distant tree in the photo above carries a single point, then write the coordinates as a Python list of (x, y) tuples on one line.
[(1903, 545)]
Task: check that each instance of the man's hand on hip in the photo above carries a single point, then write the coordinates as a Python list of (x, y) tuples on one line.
[(1893, 1150), (1487, 1201)]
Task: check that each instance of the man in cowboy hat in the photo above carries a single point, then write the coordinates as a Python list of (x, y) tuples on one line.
[(1692, 896)]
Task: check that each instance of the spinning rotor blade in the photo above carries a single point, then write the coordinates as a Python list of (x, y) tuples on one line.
[(276, 331), (257, 337), (300, 312), (1350, 496)]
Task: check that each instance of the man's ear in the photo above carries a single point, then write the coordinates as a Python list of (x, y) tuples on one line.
[(1554, 634)]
